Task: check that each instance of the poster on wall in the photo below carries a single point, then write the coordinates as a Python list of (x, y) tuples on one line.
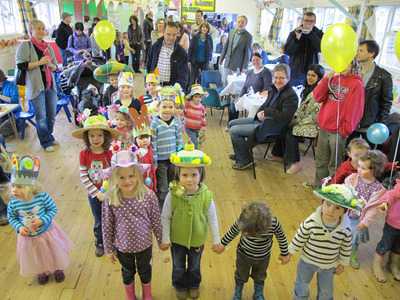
[(205, 6)]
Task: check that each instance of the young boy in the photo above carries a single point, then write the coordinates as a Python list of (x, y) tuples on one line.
[(257, 225), (167, 137), (152, 86), (325, 238)]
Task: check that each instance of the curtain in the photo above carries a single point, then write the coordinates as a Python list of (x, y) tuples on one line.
[(27, 14), (365, 34), (273, 34), (355, 12)]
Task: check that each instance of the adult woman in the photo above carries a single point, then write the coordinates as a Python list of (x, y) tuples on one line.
[(185, 25), (135, 37), (183, 38), (200, 51), (159, 31), (221, 44), (259, 80), (38, 59), (79, 43), (225, 25), (9, 91)]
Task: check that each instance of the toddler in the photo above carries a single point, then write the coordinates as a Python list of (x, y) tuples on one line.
[(124, 96), (179, 114), (152, 87), (42, 246), (195, 114), (123, 121)]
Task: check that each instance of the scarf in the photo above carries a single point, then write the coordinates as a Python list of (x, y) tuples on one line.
[(43, 46)]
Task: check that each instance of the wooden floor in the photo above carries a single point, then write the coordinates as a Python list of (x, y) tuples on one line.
[(89, 277)]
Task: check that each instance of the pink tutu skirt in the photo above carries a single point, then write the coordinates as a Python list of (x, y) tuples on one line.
[(45, 253)]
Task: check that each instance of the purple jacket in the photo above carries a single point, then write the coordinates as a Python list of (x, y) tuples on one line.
[(77, 43)]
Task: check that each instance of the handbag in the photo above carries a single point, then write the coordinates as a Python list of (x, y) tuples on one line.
[(20, 75)]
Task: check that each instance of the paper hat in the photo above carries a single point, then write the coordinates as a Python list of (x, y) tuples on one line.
[(124, 159), (125, 78), (189, 157), (196, 89), (153, 77), (342, 195), (26, 171), (112, 67), (113, 109), (142, 122), (171, 92), (95, 122)]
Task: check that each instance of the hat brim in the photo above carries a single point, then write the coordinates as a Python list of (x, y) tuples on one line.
[(143, 167), (356, 208), (111, 68), (79, 132), (189, 165)]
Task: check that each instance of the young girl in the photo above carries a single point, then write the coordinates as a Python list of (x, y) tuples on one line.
[(42, 246), (370, 165), (119, 48), (195, 114), (130, 213), (97, 136), (179, 114), (123, 121), (257, 225), (127, 48), (152, 88), (188, 209), (124, 96), (391, 235)]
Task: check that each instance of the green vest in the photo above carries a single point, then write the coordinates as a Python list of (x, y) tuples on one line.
[(189, 221)]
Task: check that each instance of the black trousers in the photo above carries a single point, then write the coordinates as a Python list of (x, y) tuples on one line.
[(132, 261)]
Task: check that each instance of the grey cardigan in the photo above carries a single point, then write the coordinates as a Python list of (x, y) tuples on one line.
[(34, 82)]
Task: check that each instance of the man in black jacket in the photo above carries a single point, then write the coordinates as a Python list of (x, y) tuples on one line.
[(170, 58), (147, 29), (303, 45), (63, 33)]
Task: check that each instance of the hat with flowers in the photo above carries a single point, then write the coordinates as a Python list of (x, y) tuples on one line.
[(94, 122), (125, 78)]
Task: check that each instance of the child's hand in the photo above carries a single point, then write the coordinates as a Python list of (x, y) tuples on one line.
[(338, 270), (383, 207), (285, 259), (23, 231), (164, 247), (35, 224), (112, 257), (361, 226), (218, 248), (100, 196)]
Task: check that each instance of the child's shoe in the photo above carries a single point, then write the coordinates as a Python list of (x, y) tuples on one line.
[(130, 291), (99, 251), (194, 294), (147, 291), (258, 291), (43, 278), (238, 292), (393, 264), (377, 268), (182, 295), (59, 276), (354, 261)]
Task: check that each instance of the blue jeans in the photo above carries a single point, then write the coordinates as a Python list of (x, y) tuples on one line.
[(298, 80), (95, 205), (239, 129), (193, 134), (64, 55), (45, 114), (132, 261), (305, 273), (186, 278), (165, 173), (390, 240), (233, 113)]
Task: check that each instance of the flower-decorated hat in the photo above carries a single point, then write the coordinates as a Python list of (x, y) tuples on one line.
[(125, 78), (153, 77), (113, 109), (112, 67), (197, 89), (173, 93), (95, 122), (142, 122), (188, 156), (26, 171)]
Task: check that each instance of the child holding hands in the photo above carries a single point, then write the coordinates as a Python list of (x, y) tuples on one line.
[(130, 214), (195, 114), (152, 87), (121, 118)]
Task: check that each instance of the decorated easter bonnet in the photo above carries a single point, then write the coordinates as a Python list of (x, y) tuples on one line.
[(112, 67), (125, 78), (153, 77), (94, 122), (142, 122), (197, 89), (25, 171), (173, 93), (113, 109), (190, 157)]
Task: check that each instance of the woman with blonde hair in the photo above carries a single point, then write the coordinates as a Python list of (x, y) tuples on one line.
[(159, 31)]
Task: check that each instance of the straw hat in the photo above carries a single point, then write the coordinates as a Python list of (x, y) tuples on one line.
[(96, 122)]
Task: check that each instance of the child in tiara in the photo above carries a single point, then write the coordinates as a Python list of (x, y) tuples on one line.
[(151, 88), (121, 118), (188, 210), (42, 246), (195, 114), (125, 96), (96, 156), (130, 215)]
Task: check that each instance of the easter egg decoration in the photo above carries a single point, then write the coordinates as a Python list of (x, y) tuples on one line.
[(26, 163)]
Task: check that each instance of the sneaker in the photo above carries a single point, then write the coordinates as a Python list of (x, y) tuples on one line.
[(182, 294), (243, 166), (59, 276), (50, 149), (3, 220), (194, 294), (309, 185), (226, 129), (232, 156), (56, 143), (294, 168), (43, 278), (273, 158), (99, 252)]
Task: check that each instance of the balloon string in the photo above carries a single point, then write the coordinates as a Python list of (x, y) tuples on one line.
[(394, 161), (337, 126)]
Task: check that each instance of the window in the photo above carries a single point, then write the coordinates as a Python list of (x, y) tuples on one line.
[(381, 18), (10, 22), (48, 13), (290, 21), (396, 20), (266, 21)]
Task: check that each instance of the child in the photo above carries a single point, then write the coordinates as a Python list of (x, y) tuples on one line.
[(91, 99), (195, 114), (341, 94), (167, 137), (97, 136), (42, 246), (152, 87), (130, 214), (325, 238), (179, 114), (370, 165), (125, 92), (391, 235), (119, 48), (257, 225), (127, 48), (121, 117), (188, 209)]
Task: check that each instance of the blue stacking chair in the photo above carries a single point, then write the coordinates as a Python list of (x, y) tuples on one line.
[(214, 101), (23, 117), (212, 77), (63, 99)]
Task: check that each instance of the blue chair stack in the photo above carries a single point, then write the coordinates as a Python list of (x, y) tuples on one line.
[(63, 99)]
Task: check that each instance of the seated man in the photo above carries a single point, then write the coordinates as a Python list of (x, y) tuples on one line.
[(280, 105)]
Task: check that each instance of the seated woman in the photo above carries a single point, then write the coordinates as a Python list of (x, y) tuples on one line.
[(79, 43), (9, 91), (259, 80)]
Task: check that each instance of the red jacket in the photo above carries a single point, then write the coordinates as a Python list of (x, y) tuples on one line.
[(349, 100)]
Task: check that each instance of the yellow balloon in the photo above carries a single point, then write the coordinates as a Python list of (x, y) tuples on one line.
[(339, 46), (397, 44), (104, 34)]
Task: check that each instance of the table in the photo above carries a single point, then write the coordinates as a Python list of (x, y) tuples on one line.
[(7, 109), (235, 85), (251, 103)]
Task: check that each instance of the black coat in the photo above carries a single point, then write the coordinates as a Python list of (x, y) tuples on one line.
[(147, 28), (63, 33), (194, 44)]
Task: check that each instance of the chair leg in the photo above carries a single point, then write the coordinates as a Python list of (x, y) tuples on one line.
[(67, 113), (253, 163), (33, 123), (58, 109), (266, 151), (23, 129), (220, 120), (284, 154), (211, 110)]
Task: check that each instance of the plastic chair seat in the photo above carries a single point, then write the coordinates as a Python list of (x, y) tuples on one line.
[(23, 117)]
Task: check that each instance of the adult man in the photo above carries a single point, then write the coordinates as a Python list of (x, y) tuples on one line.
[(63, 33), (199, 19), (303, 45), (280, 105), (256, 48), (147, 29), (236, 51), (378, 85), (170, 58)]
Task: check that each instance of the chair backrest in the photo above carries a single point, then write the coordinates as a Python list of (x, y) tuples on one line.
[(298, 89), (211, 77), (269, 127), (213, 99)]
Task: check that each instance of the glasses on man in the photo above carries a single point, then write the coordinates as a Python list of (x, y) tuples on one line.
[(308, 21), (279, 78)]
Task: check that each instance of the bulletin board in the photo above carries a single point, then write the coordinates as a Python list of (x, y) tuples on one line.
[(205, 6)]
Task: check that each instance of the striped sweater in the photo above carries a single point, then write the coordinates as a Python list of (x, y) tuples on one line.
[(41, 207), (166, 138), (195, 116), (258, 247), (320, 247)]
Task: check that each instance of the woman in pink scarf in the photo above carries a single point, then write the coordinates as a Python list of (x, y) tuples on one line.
[(38, 59)]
